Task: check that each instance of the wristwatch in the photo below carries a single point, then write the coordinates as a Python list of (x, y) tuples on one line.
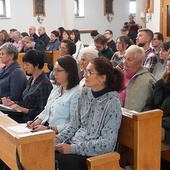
[(49, 127)]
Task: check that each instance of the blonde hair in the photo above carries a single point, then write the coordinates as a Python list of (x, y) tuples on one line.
[(27, 39)]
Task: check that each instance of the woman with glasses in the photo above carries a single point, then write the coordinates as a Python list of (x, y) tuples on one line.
[(67, 47), (63, 98), (12, 77), (36, 93), (94, 126)]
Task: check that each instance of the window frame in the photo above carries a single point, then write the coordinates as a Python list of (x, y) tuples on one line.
[(4, 9), (77, 7)]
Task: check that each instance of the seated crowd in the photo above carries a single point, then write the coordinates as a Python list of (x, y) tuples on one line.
[(91, 85)]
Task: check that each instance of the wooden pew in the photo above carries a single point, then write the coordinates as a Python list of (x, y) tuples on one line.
[(140, 132), (52, 56), (108, 161), (20, 56), (36, 150)]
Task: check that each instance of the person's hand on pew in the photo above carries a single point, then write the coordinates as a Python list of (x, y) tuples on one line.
[(35, 122), (6, 101)]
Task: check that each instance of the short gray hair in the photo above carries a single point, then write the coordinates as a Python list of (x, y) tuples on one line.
[(17, 34), (90, 52), (138, 52), (10, 49)]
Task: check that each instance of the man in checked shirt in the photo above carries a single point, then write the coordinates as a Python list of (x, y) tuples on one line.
[(144, 38)]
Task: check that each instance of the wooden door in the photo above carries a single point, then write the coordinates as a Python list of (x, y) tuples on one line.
[(165, 19)]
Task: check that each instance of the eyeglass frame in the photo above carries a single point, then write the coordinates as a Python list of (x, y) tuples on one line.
[(58, 70), (89, 73)]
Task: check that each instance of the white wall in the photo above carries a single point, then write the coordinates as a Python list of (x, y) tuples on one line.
[(95, 19), (154, 25), (22, 16)]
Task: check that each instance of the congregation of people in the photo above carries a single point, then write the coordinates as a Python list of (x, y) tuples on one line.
[(81, 98)]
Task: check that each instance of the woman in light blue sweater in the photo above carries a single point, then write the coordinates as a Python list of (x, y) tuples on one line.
[(94, 126), (63, 98)]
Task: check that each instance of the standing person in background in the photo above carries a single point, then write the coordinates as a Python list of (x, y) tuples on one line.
[(160, 99), (75, 37), (12, 77), (122, 43), (96, 119), (110, 42), (43, 36), (54, 42), (32, 32), (100, 42), (93, 34), (35, 96)]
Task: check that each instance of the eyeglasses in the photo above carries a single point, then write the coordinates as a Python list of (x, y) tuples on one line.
[(62, 48), (58, 70), (154, 39), (89, 73)]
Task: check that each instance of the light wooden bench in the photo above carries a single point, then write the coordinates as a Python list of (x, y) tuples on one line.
[(36, 150), (140, 132), (52, 56)]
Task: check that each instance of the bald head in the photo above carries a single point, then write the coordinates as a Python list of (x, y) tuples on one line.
[(41, 30), (32, 30)]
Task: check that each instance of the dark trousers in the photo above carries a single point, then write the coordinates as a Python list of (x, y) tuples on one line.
[(70, 161)]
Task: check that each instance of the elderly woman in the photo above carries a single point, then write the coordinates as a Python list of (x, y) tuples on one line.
[(38, 88), (95, 123), (17, 40), (12, 77), (87, 54), (139, 82), (63, 98)]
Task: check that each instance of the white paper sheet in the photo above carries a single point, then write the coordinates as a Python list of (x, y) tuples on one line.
[(20, 128)]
